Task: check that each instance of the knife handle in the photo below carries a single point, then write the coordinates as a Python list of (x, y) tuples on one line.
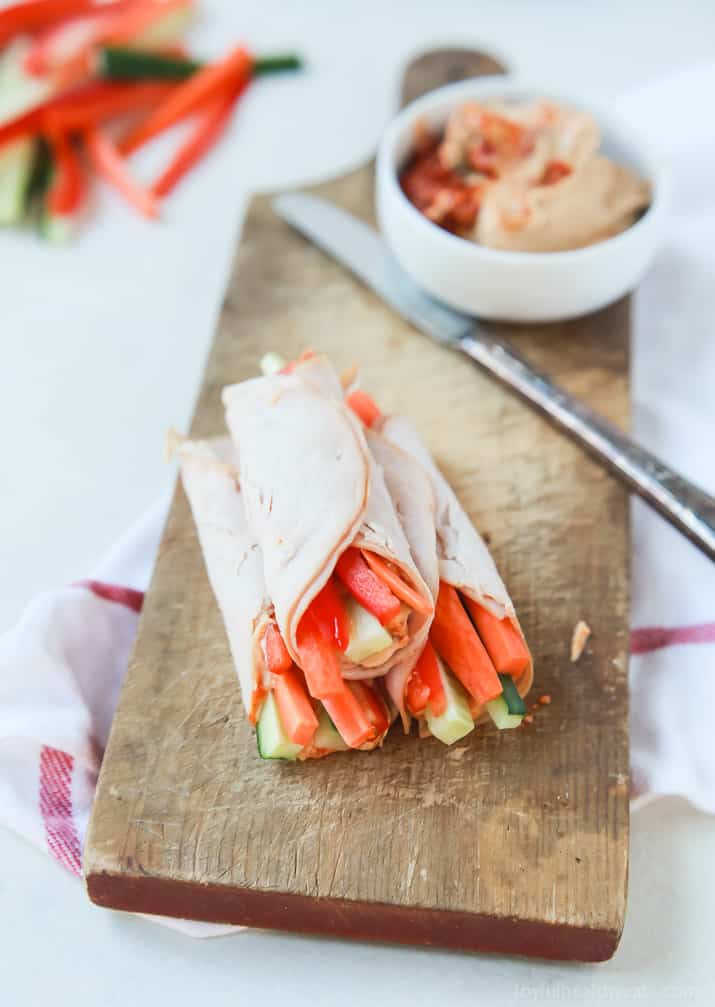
[(681, 502)]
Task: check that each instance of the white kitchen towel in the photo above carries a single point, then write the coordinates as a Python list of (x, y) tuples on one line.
[(62, 666)]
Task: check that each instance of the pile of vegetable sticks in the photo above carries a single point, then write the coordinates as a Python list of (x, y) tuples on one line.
[(86, 83)]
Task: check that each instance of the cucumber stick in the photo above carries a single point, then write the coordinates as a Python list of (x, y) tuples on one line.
[(367, 635), (272, 740), (499, 712), (272, 363), (456, 721), (327, 734), (507, 710), (514, 702), (16, 164)]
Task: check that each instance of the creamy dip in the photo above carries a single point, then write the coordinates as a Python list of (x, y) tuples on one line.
[(523, 177)]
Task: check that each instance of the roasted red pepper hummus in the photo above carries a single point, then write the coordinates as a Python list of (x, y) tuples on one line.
[(522, 177)]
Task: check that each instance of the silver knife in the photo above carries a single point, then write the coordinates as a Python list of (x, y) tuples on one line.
[(360, 249)]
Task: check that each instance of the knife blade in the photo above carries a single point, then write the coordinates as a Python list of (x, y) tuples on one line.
[(360, 249)]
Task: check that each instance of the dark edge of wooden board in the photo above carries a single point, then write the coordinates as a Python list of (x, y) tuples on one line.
[(456, 931)]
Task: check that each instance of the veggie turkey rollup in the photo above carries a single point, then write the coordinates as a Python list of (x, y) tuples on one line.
[(289, 723), (349, 600), (478, 661)]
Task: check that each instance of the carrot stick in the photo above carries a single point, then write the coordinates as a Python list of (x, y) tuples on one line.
[(363, 406), (319, 660), (109, 163), (456, 641), (391, 578), (350, 720), (365, 587), (295, 709), (329, 612), (373, 706), (35, 14), (501, 640), (217, 79), (209, 130), (277, 657)]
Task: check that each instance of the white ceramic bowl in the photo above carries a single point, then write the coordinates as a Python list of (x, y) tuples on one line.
[(514, 286)]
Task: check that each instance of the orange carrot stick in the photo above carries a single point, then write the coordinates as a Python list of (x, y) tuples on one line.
[(373, 706), (456, 641), (392, 579), (208, 132), (350, 719), (319, 661), (363, 406), (501, 640), (223, 78), (108, 163), (295, 709), (27, 17)]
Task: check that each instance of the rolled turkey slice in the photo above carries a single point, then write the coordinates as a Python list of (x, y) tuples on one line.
[(272, 688), (463, 558), (412, 495), (313, 490), (233, 560)]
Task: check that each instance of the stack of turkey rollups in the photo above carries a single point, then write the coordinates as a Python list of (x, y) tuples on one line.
[(352, 585)]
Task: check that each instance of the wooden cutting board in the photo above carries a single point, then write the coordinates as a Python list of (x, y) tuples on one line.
[(513, 841)]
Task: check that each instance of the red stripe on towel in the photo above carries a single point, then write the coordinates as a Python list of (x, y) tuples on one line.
[(650, 638), (56, 808), (128, 596)]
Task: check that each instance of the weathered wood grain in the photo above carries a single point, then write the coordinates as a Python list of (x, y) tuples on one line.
[(514, 841)]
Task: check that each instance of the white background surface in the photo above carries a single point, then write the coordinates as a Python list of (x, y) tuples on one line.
[(103, 346)]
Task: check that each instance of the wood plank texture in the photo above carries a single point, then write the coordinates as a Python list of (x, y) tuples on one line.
[(512, 841)]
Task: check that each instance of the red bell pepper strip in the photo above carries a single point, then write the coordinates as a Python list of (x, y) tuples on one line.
[(59, 43), (416, 693), (373, 706), (319, 660), (456, 641), (366, 587), (276, 653), (392, 579), (67, 187), (83, 107), (329, 612), (427, 668), (27, 17), (295, 709), (209, 130), (75, 116), (111, 165), (501, 640), (221, 79), (351, 721), (364, 407)]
